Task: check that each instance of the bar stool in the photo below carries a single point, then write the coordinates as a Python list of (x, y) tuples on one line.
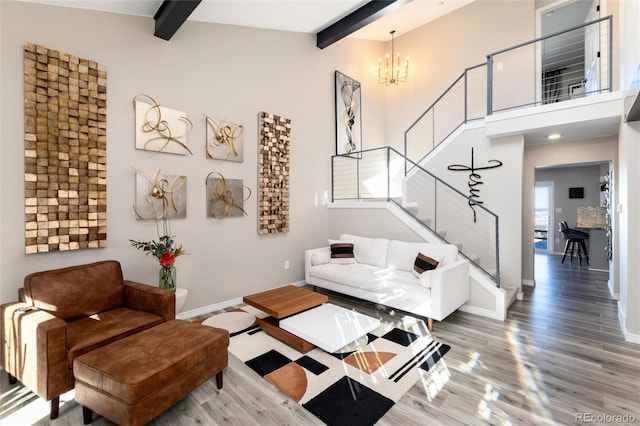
[(574, 240)]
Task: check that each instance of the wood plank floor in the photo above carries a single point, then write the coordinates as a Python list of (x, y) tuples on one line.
[(560, 358)]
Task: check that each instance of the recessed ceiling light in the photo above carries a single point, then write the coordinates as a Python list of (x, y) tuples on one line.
[(554, 136)]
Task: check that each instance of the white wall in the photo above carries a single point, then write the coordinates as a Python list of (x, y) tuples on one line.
[(500, 191), (629, 177), (227, 72), (441, 50)]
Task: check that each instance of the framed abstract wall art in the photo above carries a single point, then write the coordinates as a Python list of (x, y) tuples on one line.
[(225, 141), (159, 128), (348, 120), (225, 197), (160, 196)]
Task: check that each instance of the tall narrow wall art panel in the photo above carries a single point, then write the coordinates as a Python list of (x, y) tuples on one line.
[(348, 121), (273, 176), (65, 139)]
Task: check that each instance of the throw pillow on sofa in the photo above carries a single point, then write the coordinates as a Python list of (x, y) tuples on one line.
[(424, 263), (341, 252)]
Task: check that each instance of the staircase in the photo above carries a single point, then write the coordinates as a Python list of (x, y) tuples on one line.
[(433, 208)]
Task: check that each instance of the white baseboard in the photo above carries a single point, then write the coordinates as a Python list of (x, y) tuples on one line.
[(222, 305), (487, 313), (207, 309), (622, 318), (530, 283)]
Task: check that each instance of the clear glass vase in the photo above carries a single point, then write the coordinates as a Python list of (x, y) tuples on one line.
[(167, 278)]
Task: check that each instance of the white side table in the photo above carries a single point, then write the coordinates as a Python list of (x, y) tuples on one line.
[(181, 297)]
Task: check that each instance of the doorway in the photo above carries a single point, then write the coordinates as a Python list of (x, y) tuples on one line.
[(543, 235), (568, 64)]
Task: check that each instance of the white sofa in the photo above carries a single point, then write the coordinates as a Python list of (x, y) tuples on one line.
[(383, 273)]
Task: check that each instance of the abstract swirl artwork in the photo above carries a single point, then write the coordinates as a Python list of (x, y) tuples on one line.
[(225, 141), (65, 147), (273, 174), (160, 196), (160, 128), (225, 197), (348, 124)]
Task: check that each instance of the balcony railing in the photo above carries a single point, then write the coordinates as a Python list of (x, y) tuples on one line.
[(558, 67), (378, 174)]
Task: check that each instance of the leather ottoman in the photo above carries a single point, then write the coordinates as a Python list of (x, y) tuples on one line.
[(136, 378)]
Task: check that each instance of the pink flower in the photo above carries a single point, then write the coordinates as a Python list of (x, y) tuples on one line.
[(167, 259)]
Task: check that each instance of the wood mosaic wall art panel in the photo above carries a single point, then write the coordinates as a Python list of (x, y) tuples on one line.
[(273, 176), (65, 109)]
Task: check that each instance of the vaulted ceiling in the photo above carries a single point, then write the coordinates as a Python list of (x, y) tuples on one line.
[(307, 16)]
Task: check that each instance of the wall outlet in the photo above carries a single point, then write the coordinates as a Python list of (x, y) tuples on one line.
[(286, 264)]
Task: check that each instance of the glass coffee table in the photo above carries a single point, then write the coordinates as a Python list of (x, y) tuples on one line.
[(329, 327)]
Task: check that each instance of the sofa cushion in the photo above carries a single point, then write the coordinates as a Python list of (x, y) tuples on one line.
[(341, 252), (320, 258), (380, 284), (77, 291), (372, 251), (425, 279), (402, 255), (87, 334)]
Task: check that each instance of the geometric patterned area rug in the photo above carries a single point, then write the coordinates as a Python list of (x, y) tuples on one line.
[(357, 384)]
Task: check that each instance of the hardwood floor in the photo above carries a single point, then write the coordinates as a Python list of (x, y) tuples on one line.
[(559, 358)]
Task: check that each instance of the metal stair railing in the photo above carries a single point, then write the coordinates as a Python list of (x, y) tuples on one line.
[(378, 175), (463, 101)]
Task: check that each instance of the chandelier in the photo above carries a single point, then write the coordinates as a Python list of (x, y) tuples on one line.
[(391, 73)]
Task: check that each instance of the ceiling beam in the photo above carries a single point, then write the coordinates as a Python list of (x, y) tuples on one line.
[(171, 15), (357, 19)]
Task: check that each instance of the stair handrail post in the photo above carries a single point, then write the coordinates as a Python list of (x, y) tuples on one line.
[(333, 181), (497, 219), (388, 174), (610, 65), (358, 157), (490, 84), (466, 96)]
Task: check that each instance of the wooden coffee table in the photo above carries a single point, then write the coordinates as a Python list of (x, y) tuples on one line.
[(280, 303)]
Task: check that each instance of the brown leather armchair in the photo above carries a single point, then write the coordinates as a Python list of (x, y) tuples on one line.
[(64, 313)]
